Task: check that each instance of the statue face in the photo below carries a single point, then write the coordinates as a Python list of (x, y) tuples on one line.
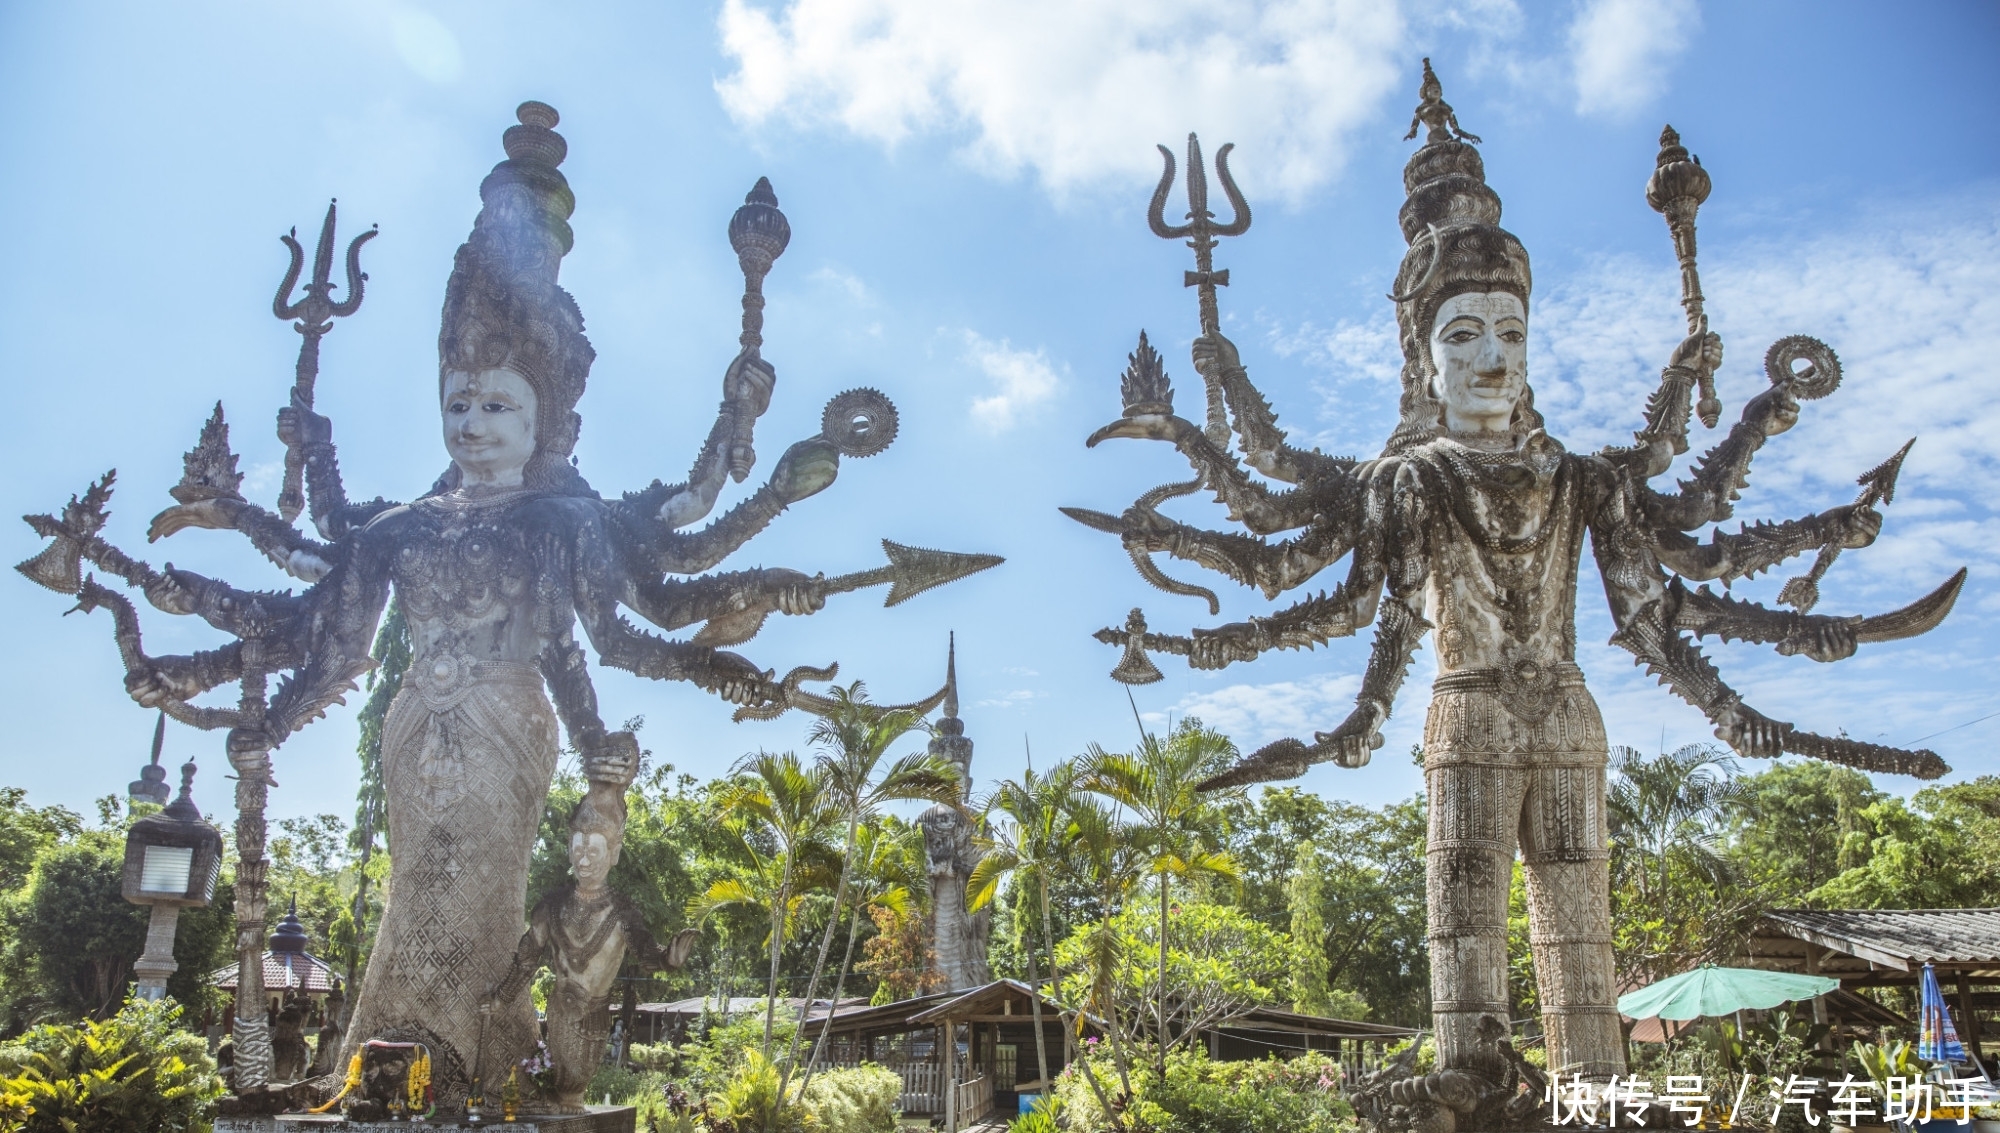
[(1479, 344), (489, 426), (590, 859)]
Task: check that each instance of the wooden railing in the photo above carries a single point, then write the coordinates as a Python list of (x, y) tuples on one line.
[(971, 1102), (920, 1084)]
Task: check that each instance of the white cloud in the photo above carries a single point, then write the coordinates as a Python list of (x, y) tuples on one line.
[(848, 284), (1621, 50), (1021, 379), (1077, 90), (1254, 715)]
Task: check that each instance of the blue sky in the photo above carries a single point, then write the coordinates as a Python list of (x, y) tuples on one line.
[(966, 185)]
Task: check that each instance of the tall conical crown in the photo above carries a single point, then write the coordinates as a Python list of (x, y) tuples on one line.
[(503, 307), (1451, 221)]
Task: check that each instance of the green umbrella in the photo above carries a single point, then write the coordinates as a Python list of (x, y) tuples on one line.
[(1709, 990)]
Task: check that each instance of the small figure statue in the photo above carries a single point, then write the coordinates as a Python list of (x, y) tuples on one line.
[(958, 956), (582, 931), (326, 1054), (289, 1053)]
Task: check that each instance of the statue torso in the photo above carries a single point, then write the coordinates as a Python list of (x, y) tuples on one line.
[(1503, 532), (481, 580)]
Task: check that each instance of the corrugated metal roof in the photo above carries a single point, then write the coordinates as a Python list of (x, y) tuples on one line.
[(1903, 938), (306, 972)]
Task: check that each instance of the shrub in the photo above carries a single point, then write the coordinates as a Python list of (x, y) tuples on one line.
[(856, 1099), (1199, 1095), (751, 1101), (136, 1072)]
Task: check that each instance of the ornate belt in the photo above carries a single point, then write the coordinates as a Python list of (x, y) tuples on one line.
[(1527, 687), (443, 679)]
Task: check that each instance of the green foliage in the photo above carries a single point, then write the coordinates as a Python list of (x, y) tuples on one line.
[(1219, 964), (1046, 1116), (856, 1099), (1371, 864), (1198, 1095), (25, 832), (1311, 994), (706, 1064), (1936, 851), (755, 1100), (1797, 825), (136, 1072), (79, 934)]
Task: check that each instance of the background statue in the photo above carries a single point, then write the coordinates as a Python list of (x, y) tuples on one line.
[(582, 931), (495, 566), (959, 938), (1472, 520)]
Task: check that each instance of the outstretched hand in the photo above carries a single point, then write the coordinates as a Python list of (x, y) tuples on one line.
[(732, 677), (1750, 733), (1354, 742), (806, 469), (1701, 351)]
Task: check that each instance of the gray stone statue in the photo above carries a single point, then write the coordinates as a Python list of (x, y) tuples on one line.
[(1470, 524), (959, 939), (495, 567), (582, 932)]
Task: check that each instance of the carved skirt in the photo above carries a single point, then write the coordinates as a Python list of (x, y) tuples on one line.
[(468, 752)]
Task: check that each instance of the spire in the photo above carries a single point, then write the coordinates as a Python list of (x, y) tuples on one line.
[(151, 785), (951, 676)]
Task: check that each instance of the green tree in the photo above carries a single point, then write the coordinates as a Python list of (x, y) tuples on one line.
[(391, 653), (1024, 845), (854, 741), (1311, 989), (80, 934), (1218, 964), (791, 804), (1175, 821), (26, 831), (1796, 825), (1936, 851)]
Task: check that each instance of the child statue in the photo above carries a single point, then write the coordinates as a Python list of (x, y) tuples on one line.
[(582, 932)]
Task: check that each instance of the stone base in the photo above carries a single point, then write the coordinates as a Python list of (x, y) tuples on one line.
[(599, 1119)]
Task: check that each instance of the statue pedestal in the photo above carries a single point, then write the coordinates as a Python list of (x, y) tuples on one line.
[(599, 1119)]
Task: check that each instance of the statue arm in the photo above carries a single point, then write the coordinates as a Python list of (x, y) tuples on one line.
[(1650, 615), (596, 586), (1270, 567), (528, 957), (336, 636), (1710, 492), (1757, 547), (806, 469), (1250, 503), (734, 604), (746, 394), (1665, 433), (608, 757), (1254, 421)]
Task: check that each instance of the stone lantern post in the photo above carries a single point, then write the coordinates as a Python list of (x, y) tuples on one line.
[(171, 861)]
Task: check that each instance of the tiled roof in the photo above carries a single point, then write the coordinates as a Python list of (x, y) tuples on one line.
[(306, 971), (1898, 938)]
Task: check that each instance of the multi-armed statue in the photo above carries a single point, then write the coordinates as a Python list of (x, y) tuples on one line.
[(493, 566), (1473, 519)]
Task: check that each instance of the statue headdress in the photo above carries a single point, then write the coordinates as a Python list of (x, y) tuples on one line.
[(503, 307), (1451, 221), (601, 811)]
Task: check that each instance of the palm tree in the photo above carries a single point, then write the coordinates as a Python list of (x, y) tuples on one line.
[(1671, 805), (1025, 844), (1111, 857), (1157, 783), (854, 740), (792, 804), (887, 861)]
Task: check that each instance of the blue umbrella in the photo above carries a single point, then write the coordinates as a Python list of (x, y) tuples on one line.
[(1938, 1039)]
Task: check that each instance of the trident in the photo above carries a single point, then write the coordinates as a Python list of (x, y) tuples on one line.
[(1201, 231), (315, 313)]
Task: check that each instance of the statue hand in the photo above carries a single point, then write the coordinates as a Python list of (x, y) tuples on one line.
[(1750, 733), (1828, 640), (1215, 355), (794, 593), (1773, 411), (1223, 645), (1145, 529), (174, 592), (748, 383), (1854, 525), (299, 426), (1701, 351), (681, 947), (732, 677), (806, 469), (164, 679), (613, 760), (1354, 742)]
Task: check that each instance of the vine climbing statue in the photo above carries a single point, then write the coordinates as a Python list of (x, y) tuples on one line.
[(494, 567), (1472, 520)]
